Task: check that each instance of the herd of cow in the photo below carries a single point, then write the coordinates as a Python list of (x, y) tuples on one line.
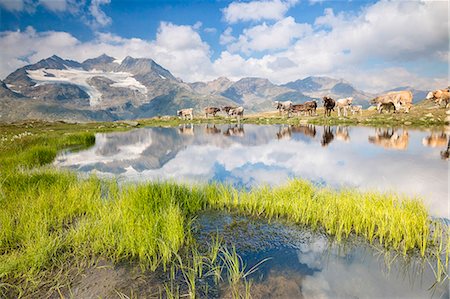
[(398, 100)]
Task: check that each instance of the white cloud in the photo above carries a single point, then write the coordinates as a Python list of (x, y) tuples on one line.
[(12, 5), (227, 37), (178, 48), (270, 37), (257, 10), (92, 15), (100, 19), (54, 5), (385, 45), (387, 42), (210, 30)]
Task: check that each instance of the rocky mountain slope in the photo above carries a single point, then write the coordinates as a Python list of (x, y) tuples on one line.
[(104, 88)]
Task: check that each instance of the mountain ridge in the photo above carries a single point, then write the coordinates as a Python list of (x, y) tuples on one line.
[(104, 88)]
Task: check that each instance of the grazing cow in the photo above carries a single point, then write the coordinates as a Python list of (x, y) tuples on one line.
[(327, 136), (435, 140), (298, 108), (212, 130), (390, 139), (186, 129), (342, 134), (398, 98), (440, 96), (227, 109), (343, 104), (185, 113), (211, 110), (236, 130), (329, 104), (356, 109), (238, 112), (283, 106)]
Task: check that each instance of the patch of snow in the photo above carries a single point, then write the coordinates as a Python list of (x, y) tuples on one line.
[(118, 61), (81, 77), (131, 83), (162, 76), (11, 87)]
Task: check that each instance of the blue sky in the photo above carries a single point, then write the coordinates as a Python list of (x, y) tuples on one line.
[(374, 44)]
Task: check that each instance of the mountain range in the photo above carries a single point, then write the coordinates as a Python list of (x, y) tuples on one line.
[(105, 89)]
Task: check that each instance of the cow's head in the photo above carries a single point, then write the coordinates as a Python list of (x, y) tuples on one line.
[(178, 112), (430, 95), (349, 101)]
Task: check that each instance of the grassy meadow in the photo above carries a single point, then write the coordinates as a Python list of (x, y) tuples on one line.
[(54, 224)]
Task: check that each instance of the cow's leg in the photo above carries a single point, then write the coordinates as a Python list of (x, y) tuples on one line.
[(379, 105)]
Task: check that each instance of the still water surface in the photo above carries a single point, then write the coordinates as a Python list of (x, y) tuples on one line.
[(302, 264), (404, 161)]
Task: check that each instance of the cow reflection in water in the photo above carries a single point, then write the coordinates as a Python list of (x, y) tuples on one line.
[(435, 140), (438, 140), (212, 129), (285, 132), (342, 134), (236, 130), (327, 136), (390, 139), (186, 129)]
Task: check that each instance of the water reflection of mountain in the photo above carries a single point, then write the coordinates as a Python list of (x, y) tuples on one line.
[(152, 148)]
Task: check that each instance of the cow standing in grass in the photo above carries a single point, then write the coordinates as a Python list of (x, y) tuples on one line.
[(211, 111), (344, 104), (440, 96), (328, 104), (227, 109), (356, 109), (400, 99), (186, 113), (311, 107), (238, 112), (284, 107)]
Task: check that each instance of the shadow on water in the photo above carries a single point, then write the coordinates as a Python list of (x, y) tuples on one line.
[(305, 264)]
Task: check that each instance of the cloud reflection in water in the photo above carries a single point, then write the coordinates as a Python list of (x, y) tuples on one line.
[(250, 155)]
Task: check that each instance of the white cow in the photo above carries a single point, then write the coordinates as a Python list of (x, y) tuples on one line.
[(343, 104)]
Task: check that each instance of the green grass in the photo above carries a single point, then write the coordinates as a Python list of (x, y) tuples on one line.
[(51, 220)]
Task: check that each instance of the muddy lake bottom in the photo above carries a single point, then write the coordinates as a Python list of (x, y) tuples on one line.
[(297, 263)]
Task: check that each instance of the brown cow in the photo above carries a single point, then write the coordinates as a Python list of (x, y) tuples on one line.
[(400, 99), (211, 110), (311, 107), (298, 108), (440, 96), (329, 104)]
